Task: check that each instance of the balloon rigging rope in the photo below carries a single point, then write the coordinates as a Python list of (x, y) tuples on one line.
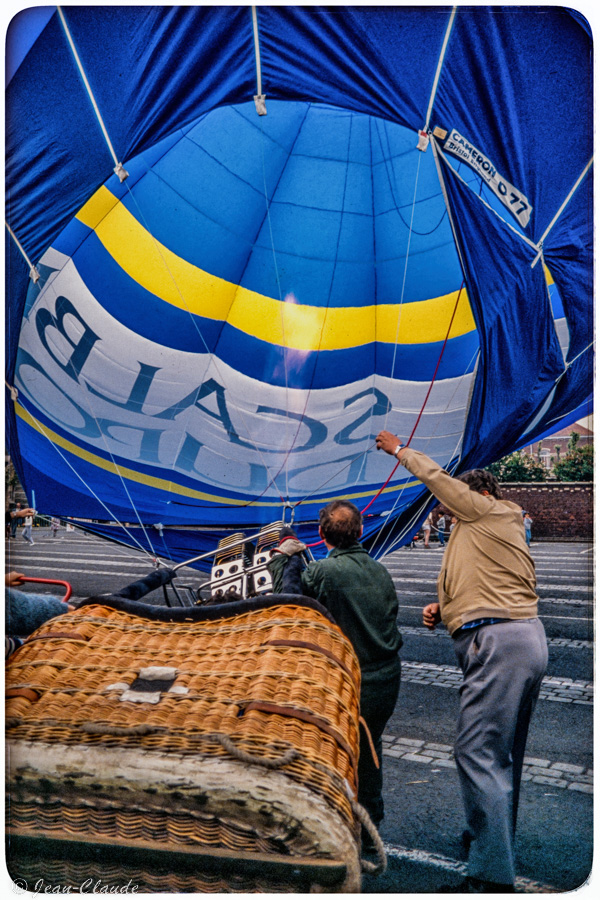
[(273, 478), (386, 154), (291, 444), (406, 258), (14, 396), (281, 309), (364, 453), (212, 360), (443, 348), (88, 487), (395, 540), (33, 272), (421, 411), (433, 379), (390, 476), (387, 157), (118, 168)]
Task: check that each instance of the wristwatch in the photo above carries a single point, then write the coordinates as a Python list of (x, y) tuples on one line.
[(397, 450)]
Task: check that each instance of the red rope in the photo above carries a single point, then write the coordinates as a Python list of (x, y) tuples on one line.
[(385, 484), (389, 478)]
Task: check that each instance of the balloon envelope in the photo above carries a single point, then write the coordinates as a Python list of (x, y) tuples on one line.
[(215, 339)]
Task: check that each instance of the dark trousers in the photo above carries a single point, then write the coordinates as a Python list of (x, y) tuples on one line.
[(378, 697)]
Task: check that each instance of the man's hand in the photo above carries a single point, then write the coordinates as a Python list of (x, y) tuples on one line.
[(387, 441), (431, 615), (289, 546)]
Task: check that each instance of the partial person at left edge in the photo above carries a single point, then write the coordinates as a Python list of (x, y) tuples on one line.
[(12, 518)]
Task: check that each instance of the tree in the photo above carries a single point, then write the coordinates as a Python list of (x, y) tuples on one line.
[(518, 467), (578, 462)]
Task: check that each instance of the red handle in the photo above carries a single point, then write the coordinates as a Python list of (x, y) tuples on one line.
[(65, 584)]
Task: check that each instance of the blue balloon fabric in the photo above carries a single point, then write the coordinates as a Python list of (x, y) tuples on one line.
[(227, 305)]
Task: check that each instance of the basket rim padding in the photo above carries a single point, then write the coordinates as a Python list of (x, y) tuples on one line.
[(205, 613)]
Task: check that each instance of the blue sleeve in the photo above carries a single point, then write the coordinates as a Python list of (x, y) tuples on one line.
[(24, 612)]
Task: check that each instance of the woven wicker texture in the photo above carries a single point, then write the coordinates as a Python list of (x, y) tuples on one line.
[(66, 876), (275, 685)]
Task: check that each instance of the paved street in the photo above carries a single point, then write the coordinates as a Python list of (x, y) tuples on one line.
[(423, 811)]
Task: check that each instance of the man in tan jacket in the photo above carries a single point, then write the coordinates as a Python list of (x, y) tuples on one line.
[(488, 602)]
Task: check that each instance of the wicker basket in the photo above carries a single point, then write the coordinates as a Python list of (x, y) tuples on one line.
[(185, 750)]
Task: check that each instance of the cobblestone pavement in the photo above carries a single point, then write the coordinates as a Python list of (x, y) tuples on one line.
[(539, 771), (553, 642), (561, 690)]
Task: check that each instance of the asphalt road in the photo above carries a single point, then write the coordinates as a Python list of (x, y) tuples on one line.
[(424, 816)]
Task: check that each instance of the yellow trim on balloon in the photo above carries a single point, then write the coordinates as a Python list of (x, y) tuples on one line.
[(299, 327), (171, 487), (130, 474)]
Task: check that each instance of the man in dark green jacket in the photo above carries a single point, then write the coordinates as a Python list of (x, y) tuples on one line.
[(360, 595)]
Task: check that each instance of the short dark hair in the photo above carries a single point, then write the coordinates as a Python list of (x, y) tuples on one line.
[(341, 523), (480, 480)]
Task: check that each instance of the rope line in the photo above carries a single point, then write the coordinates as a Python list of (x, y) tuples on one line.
[(268, 200), (438, 71), (365, 820), (119, 170), (259, 97), (85, 484), (405, 270), (257, 52), (33, 272), (388, 162), (212, 361), (454, 454), (560, 210), (87, 399), (429, 389)]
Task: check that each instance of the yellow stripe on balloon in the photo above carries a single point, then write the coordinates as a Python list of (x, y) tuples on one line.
[(167, 485), (290, 324)]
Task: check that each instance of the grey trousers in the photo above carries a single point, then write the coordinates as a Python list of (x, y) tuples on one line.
[(503, 666)]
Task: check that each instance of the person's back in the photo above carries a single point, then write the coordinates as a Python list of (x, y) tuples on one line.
[(359, 593), (500, 578)]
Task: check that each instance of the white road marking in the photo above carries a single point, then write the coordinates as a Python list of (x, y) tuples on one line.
[(436, 860)]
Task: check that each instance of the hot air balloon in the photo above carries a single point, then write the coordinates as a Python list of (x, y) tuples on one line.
[(241, 241)]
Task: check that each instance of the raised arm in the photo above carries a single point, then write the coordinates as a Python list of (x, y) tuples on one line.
[(454, 494)]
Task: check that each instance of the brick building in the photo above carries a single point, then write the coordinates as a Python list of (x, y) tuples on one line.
[(553, 447)]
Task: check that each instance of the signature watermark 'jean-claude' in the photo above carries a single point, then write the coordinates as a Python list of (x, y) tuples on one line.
[(89, 886)]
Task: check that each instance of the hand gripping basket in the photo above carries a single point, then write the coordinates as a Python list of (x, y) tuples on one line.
[(185, 750)]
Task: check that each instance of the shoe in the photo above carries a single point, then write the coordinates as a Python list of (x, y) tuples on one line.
[(466, 839), (472, 885)]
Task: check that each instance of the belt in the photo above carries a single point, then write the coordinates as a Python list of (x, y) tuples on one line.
[(476, 623)]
